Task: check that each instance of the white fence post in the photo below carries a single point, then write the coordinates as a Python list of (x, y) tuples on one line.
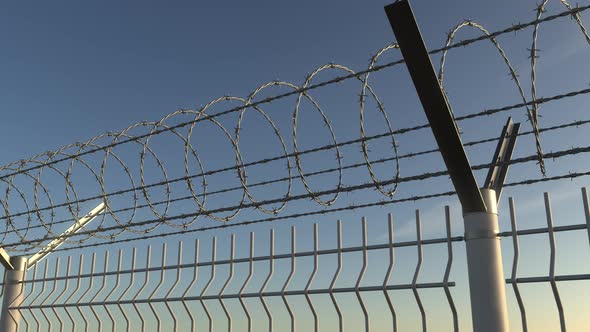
[(13, 294), (487, 286)]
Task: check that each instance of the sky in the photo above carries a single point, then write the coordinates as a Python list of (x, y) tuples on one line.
[(74, 70)]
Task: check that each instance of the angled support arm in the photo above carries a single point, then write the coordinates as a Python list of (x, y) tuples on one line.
[(435, 104), (54, 244), (503, 154), (487, 287), (5, 259)]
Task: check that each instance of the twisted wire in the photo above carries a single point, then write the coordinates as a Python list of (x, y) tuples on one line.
[(299, 216), (532, 117), (352, 188), (166, 182), (462, 43), (37, 167), (123, 227), (319, 172), (533, 112)]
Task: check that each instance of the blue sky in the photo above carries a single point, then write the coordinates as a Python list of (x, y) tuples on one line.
[(82, 69), (73, 70)]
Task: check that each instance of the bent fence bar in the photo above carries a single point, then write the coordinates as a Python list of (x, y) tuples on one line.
[(58, 300), (259, 280), (259, 292)]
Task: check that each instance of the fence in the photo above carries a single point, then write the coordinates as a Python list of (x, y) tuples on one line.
[(52, 302), (179, 295), (156, 197)]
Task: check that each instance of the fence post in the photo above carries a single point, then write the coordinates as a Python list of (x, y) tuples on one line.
[(487, 287), (13, 294), (480, 206)]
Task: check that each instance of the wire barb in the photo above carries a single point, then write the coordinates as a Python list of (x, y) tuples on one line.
[(26, 187)]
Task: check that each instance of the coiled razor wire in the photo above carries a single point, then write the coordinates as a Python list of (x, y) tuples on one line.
[(35, 168), (323, 171), (533, 112)]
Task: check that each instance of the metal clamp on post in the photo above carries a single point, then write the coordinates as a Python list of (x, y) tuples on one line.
[(483, 225)]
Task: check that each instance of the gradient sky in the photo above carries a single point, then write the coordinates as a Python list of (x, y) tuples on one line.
[(72, 70)]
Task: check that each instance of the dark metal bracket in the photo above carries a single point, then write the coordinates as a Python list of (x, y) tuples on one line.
[(501, 159), (438, 112)]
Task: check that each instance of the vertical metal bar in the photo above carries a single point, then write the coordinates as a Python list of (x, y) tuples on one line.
[(13, 291), (45, 266), (312, 277), (229, 279), (122, 296), (78, 284), (270, 274), (26, 297), (293, 266), (36, 297), (117, 282), (57, 260), (448, 269), (3, 282), (145, 282), (362, 274), (516, 249), (90, 283), (43, 284), (251, 271), (417, 271), (102, 287), (188, 288), (213, 255), (337, 274), (586, 210), (388, 274), (150, 297), (168, 294), (66, 283), (552, 262)]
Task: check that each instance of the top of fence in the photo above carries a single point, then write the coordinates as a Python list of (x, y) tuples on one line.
[(151, 195)]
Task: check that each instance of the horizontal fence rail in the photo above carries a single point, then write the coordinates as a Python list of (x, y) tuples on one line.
[(56, 297), (266, 290)]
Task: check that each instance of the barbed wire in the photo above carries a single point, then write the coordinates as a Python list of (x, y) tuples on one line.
[(309, 174), (534, 111), (32, 170), (10, 227), (299, 216), (512, 72), (347, 189), (466, 42)]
